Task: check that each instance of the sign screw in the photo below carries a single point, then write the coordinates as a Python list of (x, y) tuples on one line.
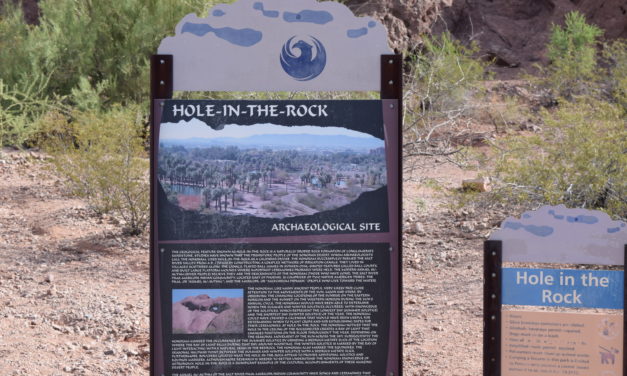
[(493, 275), (162, 250), (493, 253), (391, 106), (391, 61), (391, 82), (162, 83), (493, 296), (493, 317), (162, 61)]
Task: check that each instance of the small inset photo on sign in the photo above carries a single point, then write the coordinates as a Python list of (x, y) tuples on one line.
[(208, 311), (267, 170)]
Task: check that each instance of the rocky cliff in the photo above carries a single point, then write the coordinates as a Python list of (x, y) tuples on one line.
[(513, 32)]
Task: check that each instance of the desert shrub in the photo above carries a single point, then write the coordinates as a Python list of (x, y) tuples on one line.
[(97, 40), (103, 159), (83, 53), (444, 73), (572, 50), (271, 207), (264, 193), (579, 159), (312, 201), (325, 194), (615, 56), (276, 205), (444, 76), (20, 109)]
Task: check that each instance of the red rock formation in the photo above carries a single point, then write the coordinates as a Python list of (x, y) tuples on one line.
[(203, 314), (513, 32)]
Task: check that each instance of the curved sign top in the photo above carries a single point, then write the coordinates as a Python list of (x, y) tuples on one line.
[(277, 45), (556, 234)]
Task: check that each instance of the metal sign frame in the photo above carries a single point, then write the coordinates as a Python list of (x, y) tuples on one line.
[(391, 92)]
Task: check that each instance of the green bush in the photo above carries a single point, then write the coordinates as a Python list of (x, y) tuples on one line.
[(444, 77), (20, 110), (615, 56), (103, 158), (572, 50), (444, 73), (87, 39), (84, 53), (580, 159)]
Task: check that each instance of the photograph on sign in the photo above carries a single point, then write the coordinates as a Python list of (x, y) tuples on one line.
[(265, 170), (231, 169), (208, 311)]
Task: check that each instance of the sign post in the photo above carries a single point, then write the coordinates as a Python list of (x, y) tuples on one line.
[(275, 242), (576, 326)]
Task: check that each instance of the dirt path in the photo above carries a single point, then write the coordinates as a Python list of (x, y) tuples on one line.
[(442, 280), (74, 292)]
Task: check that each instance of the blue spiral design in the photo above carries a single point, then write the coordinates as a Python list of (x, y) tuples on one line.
[(309, 64)]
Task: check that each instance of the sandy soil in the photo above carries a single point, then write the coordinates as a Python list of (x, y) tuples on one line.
[(74, 291)]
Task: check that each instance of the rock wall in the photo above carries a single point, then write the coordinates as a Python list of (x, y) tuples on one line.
[(516, 32), (406, 20), (513, 32)]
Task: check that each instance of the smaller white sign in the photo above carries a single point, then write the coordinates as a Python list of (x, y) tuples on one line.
[(277, 45)]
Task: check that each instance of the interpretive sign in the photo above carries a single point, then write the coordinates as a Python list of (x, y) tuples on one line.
[(569, 341), (275, 223), (551, 343)]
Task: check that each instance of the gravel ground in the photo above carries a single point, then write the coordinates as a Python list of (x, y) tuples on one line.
[(74, 290)]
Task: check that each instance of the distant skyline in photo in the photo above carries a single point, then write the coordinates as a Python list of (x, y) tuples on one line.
[(197, 129), (178, 295)]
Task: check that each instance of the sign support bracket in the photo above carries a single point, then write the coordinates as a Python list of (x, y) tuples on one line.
[(392, 88), (492, 276)]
